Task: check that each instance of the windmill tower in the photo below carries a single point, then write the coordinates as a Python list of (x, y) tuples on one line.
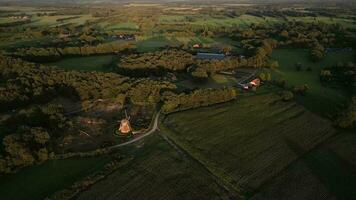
[(125, 127)]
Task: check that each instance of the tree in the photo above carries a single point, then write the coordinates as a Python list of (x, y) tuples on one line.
[(317, 52), (287, 95), (200, 73), (40, 135), (273, 64)]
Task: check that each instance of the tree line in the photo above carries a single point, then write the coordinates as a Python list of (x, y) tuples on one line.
[(52, 54), (198, 98), (155, 62)]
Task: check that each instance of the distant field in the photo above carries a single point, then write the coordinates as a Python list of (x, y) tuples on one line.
[(347, 23), (41, 181), (156, 172), (319, 99), (155, 44), (208, 21), (248, 141), (52, 20), (7, 20), (90, 63), (123, 26)]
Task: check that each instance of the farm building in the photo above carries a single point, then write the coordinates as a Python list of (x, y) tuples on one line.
[(196, 46), (255, 82), (210, 56)]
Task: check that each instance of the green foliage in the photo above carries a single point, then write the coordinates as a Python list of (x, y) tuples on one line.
[(171, 60), (287, 95), (317, 52), (26, 82), (347, 118), (50, 54), (301, 89), (197, 98), (199, 73)]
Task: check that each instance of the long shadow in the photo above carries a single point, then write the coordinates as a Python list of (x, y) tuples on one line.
[(336, 173)]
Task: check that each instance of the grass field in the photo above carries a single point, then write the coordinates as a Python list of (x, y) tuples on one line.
[(155, 44), (90, 63), (41, 181), (320, 99), (209, 21), (216, 81), (123, 26), (327, 172), (52, 20), (248, 141), (156, 172)]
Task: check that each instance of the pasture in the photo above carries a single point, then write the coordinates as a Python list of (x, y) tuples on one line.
[(156, 171), (40, 181), (53, 20), (249, 141), (123, 26), (320, 99), (328, 171), (155, 44), (204, 20), (89, 63)]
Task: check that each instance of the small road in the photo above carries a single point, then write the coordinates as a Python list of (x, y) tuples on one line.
[(149, 132)]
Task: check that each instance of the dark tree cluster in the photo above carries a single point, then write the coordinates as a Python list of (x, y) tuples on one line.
[(341, 73), (259, 58), (198, 98), (167, 60), (51, 54), (347, 118), (29, 135), (25, 83)]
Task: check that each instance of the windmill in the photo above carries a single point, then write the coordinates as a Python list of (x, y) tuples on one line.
[(125, 127)]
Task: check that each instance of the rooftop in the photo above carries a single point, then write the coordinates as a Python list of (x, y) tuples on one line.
[(210, 56)]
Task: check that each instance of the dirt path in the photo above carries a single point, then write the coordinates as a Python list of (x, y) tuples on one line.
[(152, 130)]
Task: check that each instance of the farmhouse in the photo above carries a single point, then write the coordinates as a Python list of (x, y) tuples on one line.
[(255, 82), (196, 46)]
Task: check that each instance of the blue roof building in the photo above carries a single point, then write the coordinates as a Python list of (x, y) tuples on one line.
[(210, 56)]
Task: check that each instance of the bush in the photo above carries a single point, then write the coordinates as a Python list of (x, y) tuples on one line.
[(287, 96)]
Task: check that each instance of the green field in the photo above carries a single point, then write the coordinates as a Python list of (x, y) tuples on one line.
[(156, 43), (52, 20), (249, 141), (41, 181), (123, 26), (328, 171), (320, 99), (90, 63), (202, 20), (215, 81), (156, 172)]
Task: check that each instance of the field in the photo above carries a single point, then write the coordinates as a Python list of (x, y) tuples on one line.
[(155, 44), (328, 172), (242, 21), (52, 20), (216, 81), (123, 26), (249, 141), (90, 63), (320, 99), (41, 181), (156, 172)]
